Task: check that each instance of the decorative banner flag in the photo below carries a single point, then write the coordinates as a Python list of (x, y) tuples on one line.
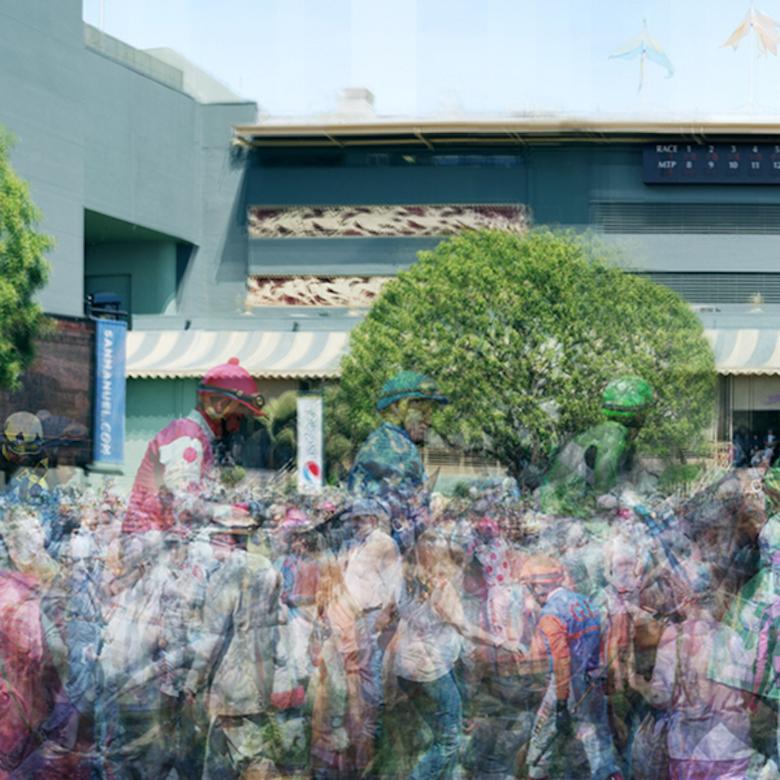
[(109, 430), (645, 48), (767, 32), (310, 461)]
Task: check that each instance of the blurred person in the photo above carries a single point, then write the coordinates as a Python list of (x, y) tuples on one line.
[(499, 697), (373, 576), (568, 636), (626, 624), (388, 464), (233, 663), (181, 456), (764, 620), (25, 543), (426, 647), (293, 670), (767, 666), (747, 612), (30, 683), (68, 730), (709, 729), (337, 703), (770, 447), (741, 443), (22, 448), (500, 604), (143, 658), (593, 461)]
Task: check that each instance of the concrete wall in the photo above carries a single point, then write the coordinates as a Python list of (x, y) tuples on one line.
[(41, 84), (141, 149), (94, 133), (215, 282), (152, 269), (560, 183)]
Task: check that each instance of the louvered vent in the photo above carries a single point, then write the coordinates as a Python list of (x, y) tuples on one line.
[(628, 217), (721, 288)]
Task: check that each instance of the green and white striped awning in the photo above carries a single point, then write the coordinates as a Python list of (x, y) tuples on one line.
[(746, 351), (265, 354)]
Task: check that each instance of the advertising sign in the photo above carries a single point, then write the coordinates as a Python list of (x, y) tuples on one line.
[(109, 430), (310, 460)]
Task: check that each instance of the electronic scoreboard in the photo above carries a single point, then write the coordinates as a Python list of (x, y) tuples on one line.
[(720, 163)]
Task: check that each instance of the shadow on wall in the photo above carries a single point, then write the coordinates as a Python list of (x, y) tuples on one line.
[(233, 252)]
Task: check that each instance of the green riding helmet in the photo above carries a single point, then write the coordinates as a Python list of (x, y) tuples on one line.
[(409, 384), (627, 398)]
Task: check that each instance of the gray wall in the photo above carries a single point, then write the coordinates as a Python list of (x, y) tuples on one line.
[(215, 282), (41, 84), (560, 183), (94, 133), (152, 269), (142, 149)]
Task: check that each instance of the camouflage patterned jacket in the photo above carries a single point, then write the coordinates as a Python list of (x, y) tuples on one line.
[(388, 462)]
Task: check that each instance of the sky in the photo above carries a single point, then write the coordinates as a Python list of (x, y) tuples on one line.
[(447, 57)]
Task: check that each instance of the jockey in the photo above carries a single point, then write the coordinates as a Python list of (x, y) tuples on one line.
[(388, 464), (592, 462), (182, 454), (568, 635)]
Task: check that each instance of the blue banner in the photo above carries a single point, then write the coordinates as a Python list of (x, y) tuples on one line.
[(109, 431)]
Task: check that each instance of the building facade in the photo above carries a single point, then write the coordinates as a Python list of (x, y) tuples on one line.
[(268, 241), (691, 207)]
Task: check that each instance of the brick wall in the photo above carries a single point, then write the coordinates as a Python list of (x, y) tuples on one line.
[(59, 382)]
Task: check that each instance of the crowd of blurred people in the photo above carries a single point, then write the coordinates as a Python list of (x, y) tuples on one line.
[(296, 637), (754, 450), (198, 628)]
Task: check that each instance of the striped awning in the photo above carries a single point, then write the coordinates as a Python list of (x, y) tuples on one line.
[(317, 354), (265, 354), (753, 351)]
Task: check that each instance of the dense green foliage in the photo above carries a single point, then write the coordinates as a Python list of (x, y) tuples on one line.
[(523, 333), (280, 427), (23, 271)]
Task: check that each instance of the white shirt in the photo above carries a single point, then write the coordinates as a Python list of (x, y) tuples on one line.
[(427, 643), (373, 572)]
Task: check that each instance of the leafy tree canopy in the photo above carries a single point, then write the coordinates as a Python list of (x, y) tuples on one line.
[(522, 333), (280, 427), (23, 271)]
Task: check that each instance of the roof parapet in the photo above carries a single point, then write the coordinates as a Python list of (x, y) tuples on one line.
[(507, 129)]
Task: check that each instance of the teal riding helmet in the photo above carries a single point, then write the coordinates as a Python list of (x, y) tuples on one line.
[(409, 384)]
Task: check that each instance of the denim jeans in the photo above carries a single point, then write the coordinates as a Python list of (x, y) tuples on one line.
[(443, 718)]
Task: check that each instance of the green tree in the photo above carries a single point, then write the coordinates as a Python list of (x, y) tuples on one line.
[(522, 333), (280, 428), (23, 271)]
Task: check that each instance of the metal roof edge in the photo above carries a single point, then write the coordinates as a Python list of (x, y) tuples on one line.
[(513, 129)]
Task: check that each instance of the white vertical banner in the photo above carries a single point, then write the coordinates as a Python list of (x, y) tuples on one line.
[(310, 464)]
